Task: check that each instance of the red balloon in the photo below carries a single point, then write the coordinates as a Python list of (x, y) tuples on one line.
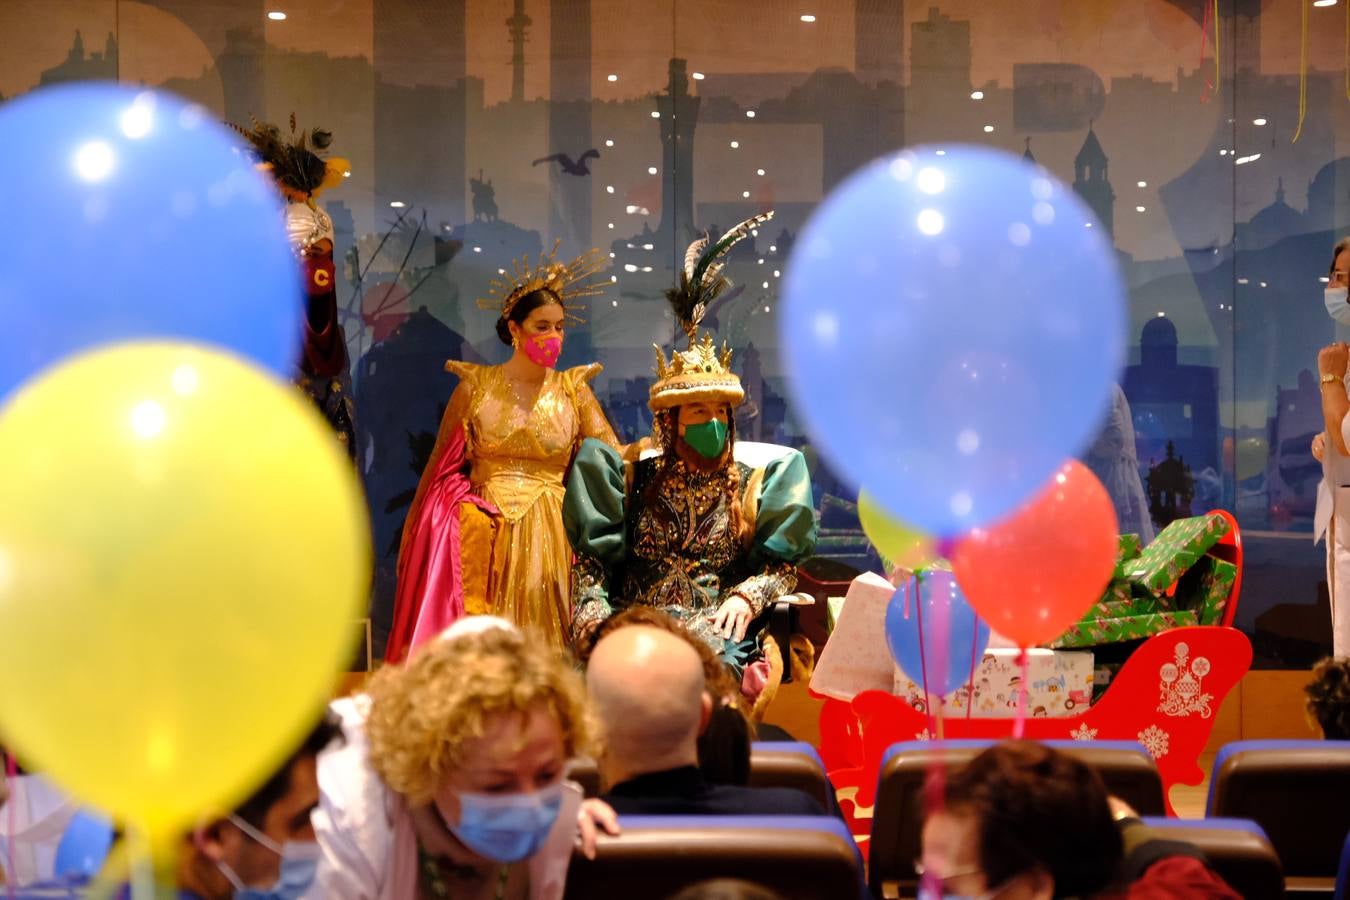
[(1033, 575)]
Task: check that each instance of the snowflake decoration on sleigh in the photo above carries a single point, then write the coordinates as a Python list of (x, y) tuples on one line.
[(1154, 740), (1180, 685), (1083, 733)]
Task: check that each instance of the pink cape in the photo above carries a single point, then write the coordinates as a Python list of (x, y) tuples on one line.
[(430, 594)]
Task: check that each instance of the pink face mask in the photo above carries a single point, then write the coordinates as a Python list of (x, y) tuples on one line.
[(543, 351)]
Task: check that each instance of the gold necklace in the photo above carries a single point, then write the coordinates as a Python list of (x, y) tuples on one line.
[(434, 875)]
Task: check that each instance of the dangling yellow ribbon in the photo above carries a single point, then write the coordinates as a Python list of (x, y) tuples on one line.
[(1302, 76)]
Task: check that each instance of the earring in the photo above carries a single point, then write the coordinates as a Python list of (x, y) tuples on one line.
[(515, 342)]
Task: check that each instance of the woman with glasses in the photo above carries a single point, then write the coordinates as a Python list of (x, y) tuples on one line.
[(1022, 821), (1330, 448)]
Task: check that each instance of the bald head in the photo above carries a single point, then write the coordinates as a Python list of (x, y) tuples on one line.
[(646, 686)]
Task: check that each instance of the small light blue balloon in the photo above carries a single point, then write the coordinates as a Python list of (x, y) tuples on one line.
[(84, 846), (133, 214), (934, 603), (952, 324)]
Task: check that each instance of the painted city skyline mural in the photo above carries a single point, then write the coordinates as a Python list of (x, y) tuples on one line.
[(480, 132)]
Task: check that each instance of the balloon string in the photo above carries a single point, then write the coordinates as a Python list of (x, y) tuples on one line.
[(11, 871), (923, 657), (1302, 76), (1218, 80), (1204, 42), (1020, 724), (970, 685)]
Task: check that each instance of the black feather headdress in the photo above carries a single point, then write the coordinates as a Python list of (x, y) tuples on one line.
[(295, 160), (701, 279)]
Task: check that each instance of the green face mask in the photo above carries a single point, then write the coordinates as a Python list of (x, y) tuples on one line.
[(707, 438)]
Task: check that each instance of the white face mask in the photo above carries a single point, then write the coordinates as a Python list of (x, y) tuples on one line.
[(1338, 308)]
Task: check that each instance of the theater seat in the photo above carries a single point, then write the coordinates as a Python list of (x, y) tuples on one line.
[(586, 773), (1298, 792), (789, 764), (897, 818), (1343, 872), (800, 857), (1236, 848)]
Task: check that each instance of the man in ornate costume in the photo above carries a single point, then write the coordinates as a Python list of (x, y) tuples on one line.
[(692, 531), (301, 175)]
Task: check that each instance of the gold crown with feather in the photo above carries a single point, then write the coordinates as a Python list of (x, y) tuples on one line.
[(566, 281), (703, 372), (700, 374)]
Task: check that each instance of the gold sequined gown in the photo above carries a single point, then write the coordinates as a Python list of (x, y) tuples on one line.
[(518, 453)]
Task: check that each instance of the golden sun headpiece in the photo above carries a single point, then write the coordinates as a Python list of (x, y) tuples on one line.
[(566, 281)]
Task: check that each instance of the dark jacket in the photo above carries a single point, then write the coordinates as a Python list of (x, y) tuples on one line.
[(685, 792)]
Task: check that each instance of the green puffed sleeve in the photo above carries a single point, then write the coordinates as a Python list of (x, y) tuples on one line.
[(593, 514), (785, 528), (785, 532)]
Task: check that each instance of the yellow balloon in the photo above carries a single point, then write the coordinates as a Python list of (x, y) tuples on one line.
[(184, 550), (897, 543), (1252, 453)]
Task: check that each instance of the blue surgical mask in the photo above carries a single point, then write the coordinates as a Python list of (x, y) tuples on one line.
[(1338, 308), (505, 828), (299, 865)]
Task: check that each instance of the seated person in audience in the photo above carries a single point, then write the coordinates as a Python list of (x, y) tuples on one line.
[(1329, 697), (724, 744), (1022, 821), (265, 848), (648, 690), (726, 889), (450, 783)]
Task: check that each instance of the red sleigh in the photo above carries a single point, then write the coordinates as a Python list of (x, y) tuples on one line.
[(1165, 696)]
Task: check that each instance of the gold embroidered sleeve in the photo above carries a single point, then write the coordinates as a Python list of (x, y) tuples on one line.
[(760, 590), (594, 423), (590, 595)]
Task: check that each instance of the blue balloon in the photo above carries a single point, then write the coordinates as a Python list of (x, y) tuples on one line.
[(919, 612), (84, 846), (132, 214), (953, 322)]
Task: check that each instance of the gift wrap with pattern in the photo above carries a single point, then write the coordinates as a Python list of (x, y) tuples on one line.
[(1059, 683)]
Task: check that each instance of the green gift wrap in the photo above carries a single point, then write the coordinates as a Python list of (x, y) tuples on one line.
[(1124, 628), (1127, 550), (1178, 547), (1205, 588)]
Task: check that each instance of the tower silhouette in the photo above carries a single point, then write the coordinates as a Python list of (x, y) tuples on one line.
[(1091, 183), (879, 41), (679, 118), (517, 25), (569, 120)]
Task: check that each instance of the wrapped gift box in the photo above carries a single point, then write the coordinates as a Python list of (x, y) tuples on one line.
[(1124, 628), (1171, 583), (1205, 589), (1127, 551), (1059, 684), (856, 658), (1177, 548)]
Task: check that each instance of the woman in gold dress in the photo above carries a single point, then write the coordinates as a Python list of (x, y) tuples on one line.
[(516, 426)]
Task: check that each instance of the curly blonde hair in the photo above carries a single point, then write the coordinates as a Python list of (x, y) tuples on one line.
[(423, 714)]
